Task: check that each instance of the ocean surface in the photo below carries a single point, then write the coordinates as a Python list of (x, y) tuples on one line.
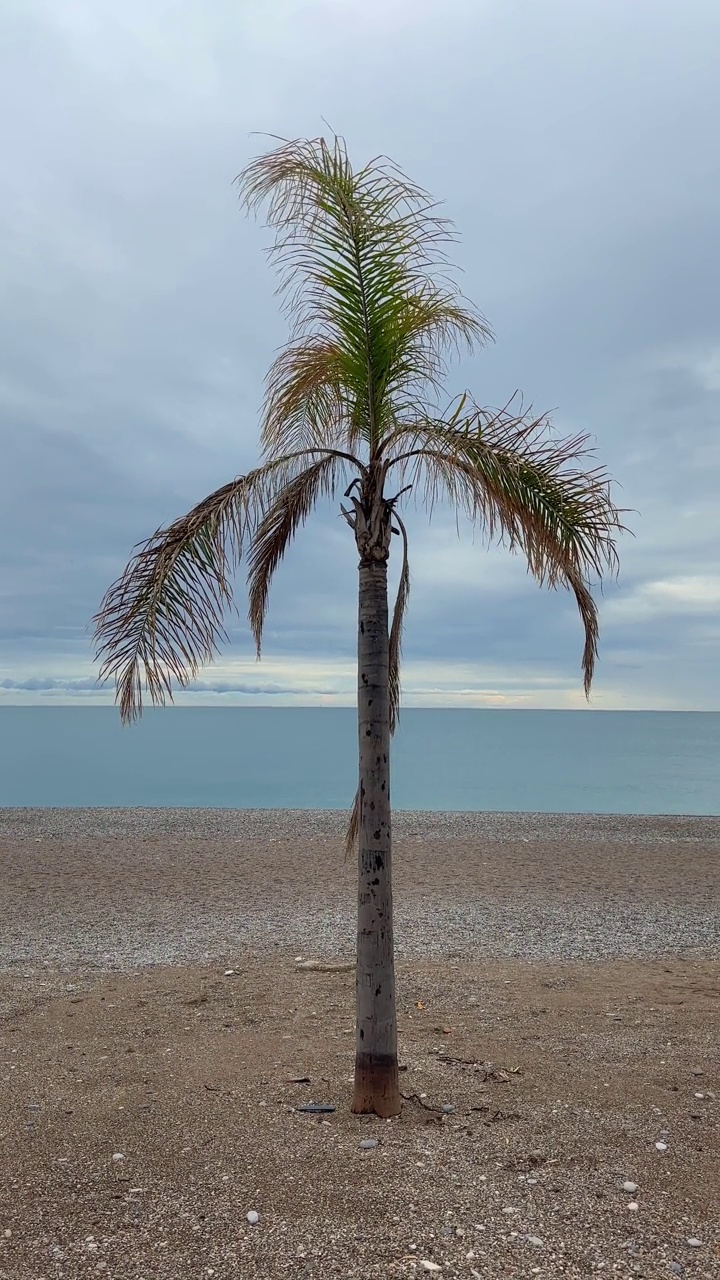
[(305, 758)]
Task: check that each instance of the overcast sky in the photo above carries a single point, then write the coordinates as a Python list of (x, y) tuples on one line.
[(575, 146)]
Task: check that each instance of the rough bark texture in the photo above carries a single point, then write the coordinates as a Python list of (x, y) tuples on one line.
[(376, 1067)]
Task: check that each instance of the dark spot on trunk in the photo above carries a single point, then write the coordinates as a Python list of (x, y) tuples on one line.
[(378, 991), (382, 788), (362, 628), (362, 1034), (364, 678), (384, 759), (377, 834), (376, 880), (379, 862), (368, 732)]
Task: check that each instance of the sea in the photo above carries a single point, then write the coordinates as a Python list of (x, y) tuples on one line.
[(632, 762)]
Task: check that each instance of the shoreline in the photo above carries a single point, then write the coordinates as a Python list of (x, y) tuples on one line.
[(192, 822)]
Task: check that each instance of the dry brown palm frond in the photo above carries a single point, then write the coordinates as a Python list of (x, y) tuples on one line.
[(353, 829), (280, 522), (396, 628), (519, 482)]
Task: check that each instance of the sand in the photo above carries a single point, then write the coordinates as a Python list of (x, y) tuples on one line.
[(576, 956)]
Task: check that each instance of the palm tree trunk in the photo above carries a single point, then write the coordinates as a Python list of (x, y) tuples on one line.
[(376, 1067)]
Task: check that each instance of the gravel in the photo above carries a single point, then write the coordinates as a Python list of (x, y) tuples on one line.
[(124, 889), (261, 824)]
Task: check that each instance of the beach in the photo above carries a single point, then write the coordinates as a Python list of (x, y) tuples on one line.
[(558, 993)]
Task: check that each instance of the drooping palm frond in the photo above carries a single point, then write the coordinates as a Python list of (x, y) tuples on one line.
[(361, 256), (396, 628), (522, 485), (163, 618), (278, 526)]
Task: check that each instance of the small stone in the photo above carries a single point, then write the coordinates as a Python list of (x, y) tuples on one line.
[(697, 1071), (7, 1233), (229, 973), (448, 1108), (661, 1146), (677, 1268), (368, 1144), (695, 1243), (253, 1218), (535, 1240), (118, 1157), (633, 1206), (630, 1187), (699, 1095), (430, 1266)]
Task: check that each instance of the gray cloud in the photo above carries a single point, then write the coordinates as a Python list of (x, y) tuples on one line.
[(575, 148)]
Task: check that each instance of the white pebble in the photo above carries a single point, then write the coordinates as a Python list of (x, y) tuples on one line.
[(7, 1233), (630, 1187), (118, 1157), (229, 973), (253, 1218), (429, 1266), (633, 1206), (699, 1095), (695, 1243), (368, 1144), (534, 1240), (661, 1146)]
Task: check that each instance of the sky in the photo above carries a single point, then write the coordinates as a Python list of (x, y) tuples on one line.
[(575, 148)]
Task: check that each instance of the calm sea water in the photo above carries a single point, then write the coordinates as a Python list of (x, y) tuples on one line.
[(305, 758)]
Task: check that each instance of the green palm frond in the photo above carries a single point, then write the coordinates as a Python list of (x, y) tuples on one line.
[(163, 617), (279, 524), (362, 261)]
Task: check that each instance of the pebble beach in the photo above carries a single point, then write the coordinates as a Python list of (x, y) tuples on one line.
[(163, 886), (160, 1035)]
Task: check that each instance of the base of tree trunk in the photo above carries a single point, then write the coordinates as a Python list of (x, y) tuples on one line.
[(377, 1089)]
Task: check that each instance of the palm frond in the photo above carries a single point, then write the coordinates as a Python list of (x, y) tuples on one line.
[(396, 628), (353, 827), (279, 524), (163, 617), (363, 269), (511, 475)]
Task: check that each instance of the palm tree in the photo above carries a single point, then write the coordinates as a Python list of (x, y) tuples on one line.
[(353, 405)]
